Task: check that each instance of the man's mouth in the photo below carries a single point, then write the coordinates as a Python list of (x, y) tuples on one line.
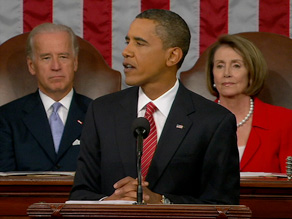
[(128, 66)]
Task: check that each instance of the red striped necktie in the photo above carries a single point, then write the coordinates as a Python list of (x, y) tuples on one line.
[(149, 144)]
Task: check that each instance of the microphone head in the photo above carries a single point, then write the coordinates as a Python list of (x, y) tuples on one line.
[(141, 126)]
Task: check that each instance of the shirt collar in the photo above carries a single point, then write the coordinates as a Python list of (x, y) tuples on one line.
[(48, 102), (163, 103)]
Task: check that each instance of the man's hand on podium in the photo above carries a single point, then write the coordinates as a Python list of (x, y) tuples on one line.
[(126, 189)]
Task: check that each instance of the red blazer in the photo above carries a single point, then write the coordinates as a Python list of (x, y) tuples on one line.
[(270, 139)]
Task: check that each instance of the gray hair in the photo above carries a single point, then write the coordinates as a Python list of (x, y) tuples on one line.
[(50, 28)]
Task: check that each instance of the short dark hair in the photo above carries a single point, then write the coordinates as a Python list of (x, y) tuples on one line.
[(50, 28), (171, 28), (252, 56)]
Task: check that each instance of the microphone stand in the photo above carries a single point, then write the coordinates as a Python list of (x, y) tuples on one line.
[(141, 129), (139, 156)]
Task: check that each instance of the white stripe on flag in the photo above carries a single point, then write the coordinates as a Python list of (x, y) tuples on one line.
[(70, 13), (189, 10), (11, 19), (243, 16), (123, 13)]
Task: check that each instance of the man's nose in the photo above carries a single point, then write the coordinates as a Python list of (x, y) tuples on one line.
[(127, 52), (55, 64)]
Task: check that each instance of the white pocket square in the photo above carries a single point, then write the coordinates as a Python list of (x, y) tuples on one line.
[(76, 142)]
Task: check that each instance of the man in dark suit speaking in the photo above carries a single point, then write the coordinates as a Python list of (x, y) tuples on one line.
[(190, 155), (41, 131)]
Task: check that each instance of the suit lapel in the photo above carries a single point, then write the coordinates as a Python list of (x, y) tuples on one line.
[(250, 150), (260, 121), (73, 125), (175, 128), (126, 114), (37, 123)]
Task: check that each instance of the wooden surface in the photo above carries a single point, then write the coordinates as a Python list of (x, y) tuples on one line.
[(138, 211), (267, 197), (18, 192)]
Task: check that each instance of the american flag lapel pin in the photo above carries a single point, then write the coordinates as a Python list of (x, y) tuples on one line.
[(80, 122), (179, 126)]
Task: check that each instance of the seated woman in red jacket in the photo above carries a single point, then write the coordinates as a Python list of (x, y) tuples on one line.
[(236, 71)]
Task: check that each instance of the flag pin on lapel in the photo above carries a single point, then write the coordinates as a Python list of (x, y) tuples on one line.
[(179, 126), (79, 122)]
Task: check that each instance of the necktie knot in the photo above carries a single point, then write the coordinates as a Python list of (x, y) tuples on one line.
[(150, 109), (56, 106)]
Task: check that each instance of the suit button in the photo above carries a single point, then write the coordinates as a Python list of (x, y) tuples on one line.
[(57, 167)]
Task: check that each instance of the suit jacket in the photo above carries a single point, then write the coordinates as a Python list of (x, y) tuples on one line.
[(270, 139), (196, 160), (26, 142)]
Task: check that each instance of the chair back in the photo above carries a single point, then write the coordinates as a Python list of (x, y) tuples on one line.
[(276, 49), (93, 78)]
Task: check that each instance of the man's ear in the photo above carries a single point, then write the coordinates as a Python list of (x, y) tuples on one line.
[(175, 54), (30, 65)]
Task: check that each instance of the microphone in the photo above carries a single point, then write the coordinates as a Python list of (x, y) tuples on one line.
[(141, 129), (141, 126)]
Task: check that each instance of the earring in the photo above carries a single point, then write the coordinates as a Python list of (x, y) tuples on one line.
[(214, 85)]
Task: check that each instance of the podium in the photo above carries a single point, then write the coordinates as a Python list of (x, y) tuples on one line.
[(267, 197), (60, 210)]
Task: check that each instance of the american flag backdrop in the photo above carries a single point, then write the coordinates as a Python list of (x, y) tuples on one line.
[(105, 23)]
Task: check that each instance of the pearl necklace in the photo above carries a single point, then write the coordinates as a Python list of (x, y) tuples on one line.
[(247, 116)]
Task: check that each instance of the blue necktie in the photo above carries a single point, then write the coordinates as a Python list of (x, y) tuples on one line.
[(57, 125)]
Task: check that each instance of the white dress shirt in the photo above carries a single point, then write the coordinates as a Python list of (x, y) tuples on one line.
[(163, 104), (63, 110)]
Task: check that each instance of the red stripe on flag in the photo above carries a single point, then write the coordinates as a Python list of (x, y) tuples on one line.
[(161, 4), (274, 16), (97, 26), (213, 21), (36, 12)]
